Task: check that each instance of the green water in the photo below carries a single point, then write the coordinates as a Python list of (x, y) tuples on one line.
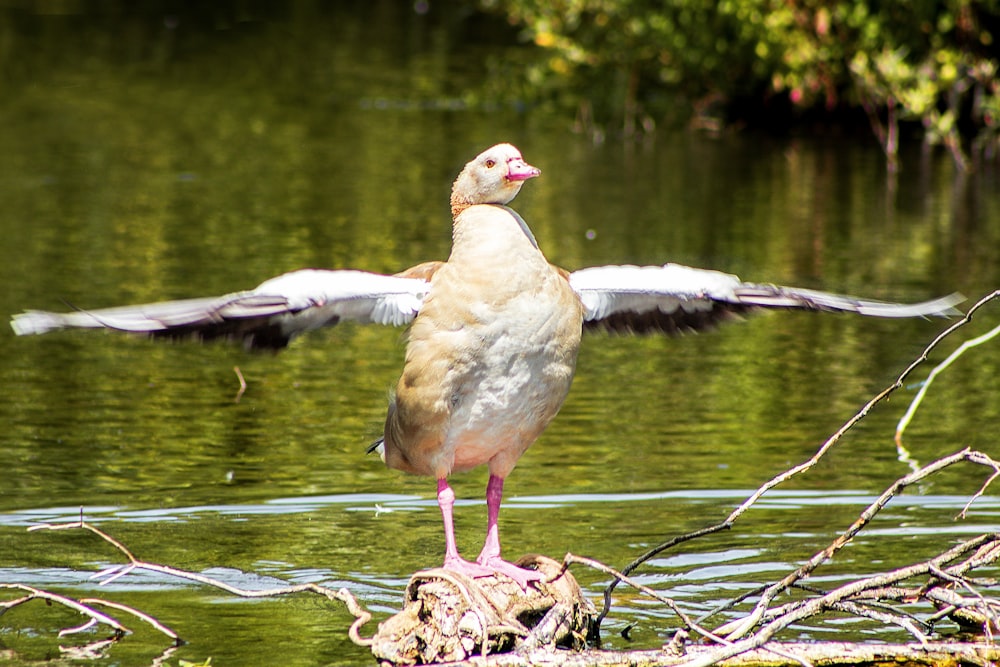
[(147, 155)]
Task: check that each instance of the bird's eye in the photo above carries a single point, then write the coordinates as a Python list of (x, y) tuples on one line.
[(490, 164)]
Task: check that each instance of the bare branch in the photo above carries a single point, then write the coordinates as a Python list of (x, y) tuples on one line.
[(86, 526), (243, 383), (741, 627), (802, 467), (92, 614), (135, 612), (361, 615), (940, 368), (906, 622), (828, 601), (985, 460), (570, 559)]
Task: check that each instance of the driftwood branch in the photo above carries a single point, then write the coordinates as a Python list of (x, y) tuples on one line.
[(828, 653), (447, 616), (93, 616), (940, 368), (806, 465), (744, 625), (85, 606)]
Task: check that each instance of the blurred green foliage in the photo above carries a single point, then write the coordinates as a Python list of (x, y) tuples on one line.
[(635, 63)]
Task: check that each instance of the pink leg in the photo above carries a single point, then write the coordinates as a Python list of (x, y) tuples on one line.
[(494, 494), (452, 561), (490, 555)]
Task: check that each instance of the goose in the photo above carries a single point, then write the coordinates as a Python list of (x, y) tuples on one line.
[(493, 339)]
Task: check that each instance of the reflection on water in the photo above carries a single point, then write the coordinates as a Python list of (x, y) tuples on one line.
[(209, 160)]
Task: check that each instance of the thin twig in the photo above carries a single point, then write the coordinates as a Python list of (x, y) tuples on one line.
[(135, 612), (989, 618), (907, 622), (845, 592), (628, 569), (95, 650), (361, 615), (982, 459), (81, 524), (570, 559), (243, 383), (979, 340), (93, 615), (734, 630)]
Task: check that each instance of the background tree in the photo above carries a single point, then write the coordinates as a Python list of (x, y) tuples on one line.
[(635, 63)]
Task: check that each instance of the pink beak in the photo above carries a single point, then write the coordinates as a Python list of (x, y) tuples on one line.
[(519, 170)]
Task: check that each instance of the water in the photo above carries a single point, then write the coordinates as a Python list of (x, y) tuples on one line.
[(198, 154)]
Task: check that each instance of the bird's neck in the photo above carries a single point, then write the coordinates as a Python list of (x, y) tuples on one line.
[(491, 232), (458, 204), (462, 192), (466, 192)]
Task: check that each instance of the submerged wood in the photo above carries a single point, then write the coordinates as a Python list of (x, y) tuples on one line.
[(447, 616), (773, 654)]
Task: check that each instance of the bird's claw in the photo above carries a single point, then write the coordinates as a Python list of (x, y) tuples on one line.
[(468, 568), (492, 566), (522, 576)]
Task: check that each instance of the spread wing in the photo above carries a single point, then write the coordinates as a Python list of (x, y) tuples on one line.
[(266, 317), (674, 298), (670, 298)]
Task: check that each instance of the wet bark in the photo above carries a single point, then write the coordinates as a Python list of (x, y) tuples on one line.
[(448, 617)]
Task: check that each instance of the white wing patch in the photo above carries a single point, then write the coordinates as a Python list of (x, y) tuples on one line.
[(606, 290), (352, 295), (674, 298)]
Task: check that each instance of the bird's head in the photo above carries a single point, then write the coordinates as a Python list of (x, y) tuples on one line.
[(495, 176)]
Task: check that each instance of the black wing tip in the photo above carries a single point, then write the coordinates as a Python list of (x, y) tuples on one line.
[(260, 339), (676, 323), (797, 298)]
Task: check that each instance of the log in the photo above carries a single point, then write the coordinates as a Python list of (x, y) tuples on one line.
[(450, 617), (772, 654)]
